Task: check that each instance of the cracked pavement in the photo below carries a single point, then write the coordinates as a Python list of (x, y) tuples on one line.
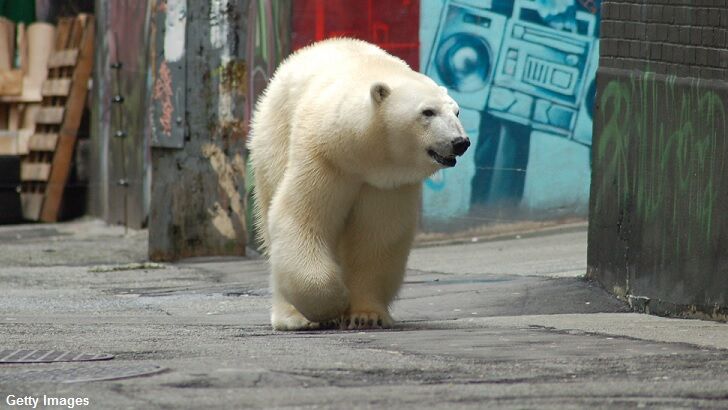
[(498, 324)]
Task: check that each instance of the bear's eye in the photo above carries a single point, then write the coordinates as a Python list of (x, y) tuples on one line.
[(428, 113), (457, 113)]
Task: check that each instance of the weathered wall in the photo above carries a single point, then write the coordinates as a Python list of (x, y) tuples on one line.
[(120, 163), (523, 73), (198, 175), (658, 220)]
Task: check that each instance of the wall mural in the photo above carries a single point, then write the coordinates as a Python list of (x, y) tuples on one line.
[(391, 24), (523, 72)]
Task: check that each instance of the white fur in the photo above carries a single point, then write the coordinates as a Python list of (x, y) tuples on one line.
[(338, 168)]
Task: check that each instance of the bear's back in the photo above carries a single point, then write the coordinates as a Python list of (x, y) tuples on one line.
[(353, 62)]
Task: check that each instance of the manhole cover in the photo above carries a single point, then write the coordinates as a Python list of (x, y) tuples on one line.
[(79, 374), (49, 356)]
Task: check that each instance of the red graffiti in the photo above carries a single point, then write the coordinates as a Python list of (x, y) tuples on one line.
[(163, 96), (392, 25)]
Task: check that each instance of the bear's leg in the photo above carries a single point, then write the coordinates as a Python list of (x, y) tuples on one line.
[(374, 284), (285, 316), (374, 249), (306, 218)]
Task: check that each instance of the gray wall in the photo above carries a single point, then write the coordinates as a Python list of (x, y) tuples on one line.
[(659, 194), (199, 83)]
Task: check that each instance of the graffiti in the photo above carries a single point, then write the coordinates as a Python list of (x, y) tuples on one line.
[(392, 25), (163, 94), (167, 74), (268, 44), (667, 169), (525, 71)]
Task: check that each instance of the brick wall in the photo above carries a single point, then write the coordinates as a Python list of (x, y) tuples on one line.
[(659, 193), (680, 37)]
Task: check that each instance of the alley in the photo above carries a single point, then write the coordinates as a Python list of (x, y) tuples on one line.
[(501, 324)]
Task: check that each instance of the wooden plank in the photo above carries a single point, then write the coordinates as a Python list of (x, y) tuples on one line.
[(15, 142), (50, 115), (63, 58), (77, 30), (63, 31), (122, 31), (32, 202), (9, 143), (43, 142), (21, 99), (75, 104), (11, 82), (58, 87), (35, 171)]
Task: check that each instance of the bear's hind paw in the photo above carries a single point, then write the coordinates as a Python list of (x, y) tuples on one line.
[(367, 320)]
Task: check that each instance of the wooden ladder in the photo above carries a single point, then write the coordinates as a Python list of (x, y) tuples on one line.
[(44, 171)]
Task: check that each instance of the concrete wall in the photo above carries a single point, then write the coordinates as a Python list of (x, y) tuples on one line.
[(658, 221)]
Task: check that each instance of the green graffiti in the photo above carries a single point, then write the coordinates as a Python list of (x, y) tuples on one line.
[(268, 44), (661, 156)]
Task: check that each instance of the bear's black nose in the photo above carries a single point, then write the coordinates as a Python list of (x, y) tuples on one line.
[(460, 145)]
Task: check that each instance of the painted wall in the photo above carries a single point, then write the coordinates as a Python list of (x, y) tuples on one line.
[(269, 38), (391, 24), (658, 227), (523, 72)]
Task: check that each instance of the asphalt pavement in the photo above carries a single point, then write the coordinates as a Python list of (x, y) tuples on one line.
[(507, 323)]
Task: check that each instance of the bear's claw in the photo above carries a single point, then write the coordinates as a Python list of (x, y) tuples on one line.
[(330, 324), (366, 320)]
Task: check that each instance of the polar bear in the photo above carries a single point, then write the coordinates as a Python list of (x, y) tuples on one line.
[(341, 140)]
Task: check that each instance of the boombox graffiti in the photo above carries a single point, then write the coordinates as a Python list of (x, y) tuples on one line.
[(525, 69)]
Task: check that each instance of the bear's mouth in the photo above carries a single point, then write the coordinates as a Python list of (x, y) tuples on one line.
[(446, 161)]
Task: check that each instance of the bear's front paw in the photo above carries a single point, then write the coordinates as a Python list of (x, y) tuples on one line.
[(363, 319), (293, 322), (286, 317)]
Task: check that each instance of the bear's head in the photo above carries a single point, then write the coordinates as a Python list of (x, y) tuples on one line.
[(418, 127)]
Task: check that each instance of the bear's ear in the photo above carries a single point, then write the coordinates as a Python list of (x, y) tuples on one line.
[(379, 92)]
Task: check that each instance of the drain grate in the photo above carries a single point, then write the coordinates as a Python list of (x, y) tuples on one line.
[(49, 356), (79, 374)]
